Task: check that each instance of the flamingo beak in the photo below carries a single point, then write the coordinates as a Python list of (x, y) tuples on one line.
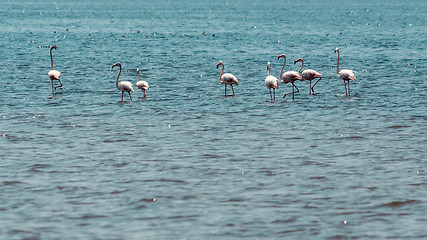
[(217, 65)]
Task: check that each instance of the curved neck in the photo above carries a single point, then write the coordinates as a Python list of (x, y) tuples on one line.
[(338, 62), (221, 72), (281, 72), (118, 75), (302, 65), (138, 76), (268, 67), (51, 60)]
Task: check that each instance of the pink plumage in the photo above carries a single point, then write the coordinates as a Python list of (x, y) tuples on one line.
[(344, 74), (227, 78), (272, 83)]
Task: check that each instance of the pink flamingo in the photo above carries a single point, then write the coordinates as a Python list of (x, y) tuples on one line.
[(309, 75), (289, 77), (344, 74), (53, 74), (124, 86), (227, 79), (143, 85), (271, 82)]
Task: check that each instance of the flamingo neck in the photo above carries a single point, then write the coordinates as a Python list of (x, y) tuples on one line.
[(51, 60), (138, 76), (281, 72), (220, 76), (268, 70), (118, 75), (302, 65), (338, 63)]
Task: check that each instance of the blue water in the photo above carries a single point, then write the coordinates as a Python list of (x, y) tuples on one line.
[(189, 163)]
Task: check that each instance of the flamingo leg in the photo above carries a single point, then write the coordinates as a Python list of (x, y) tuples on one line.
[(345, 85), (271, 97), (122, 95), (309, 90), (312, 88), (232, 89), (293, 85), (59, 86), (53, 92), (348, 82), (145, 95), (130, 96), (274, 94), (225, 92)]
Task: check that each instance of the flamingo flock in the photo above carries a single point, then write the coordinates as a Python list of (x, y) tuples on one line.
[(271, 81)]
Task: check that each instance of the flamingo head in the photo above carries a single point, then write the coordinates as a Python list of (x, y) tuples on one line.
[(298, 60), (281, 56), (117, 64), (137, 70), (53, 47), (336, 50), (219, 63), (268, 65)]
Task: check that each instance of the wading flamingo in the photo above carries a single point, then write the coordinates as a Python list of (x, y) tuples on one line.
[(123, 86), (344, 74), (143, 85), (289, 77), (308, 75), (227, 79), (271, 82), (53, 74)]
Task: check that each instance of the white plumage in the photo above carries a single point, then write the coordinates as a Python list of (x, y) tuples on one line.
[(53, 74), (289, 77), (227, 78), (308, 75), (344, 74), (143, 85), (124, 86), (271, 82)]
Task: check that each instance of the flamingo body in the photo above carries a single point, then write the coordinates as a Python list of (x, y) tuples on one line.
[(54, 75), (309, 75), (290, 77), (125, 86), (227, 79), (142, 85), (346, 75)]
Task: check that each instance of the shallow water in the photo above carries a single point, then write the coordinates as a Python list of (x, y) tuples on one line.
[(189, 163)]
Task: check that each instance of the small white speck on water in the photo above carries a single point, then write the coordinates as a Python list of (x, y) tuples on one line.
[(345, 222), (74, 126), (243, 173), (341, 134), (154, 199), (4, 135), (169, 126), (34, 116)]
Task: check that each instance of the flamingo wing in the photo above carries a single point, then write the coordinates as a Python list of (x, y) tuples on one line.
[(272, 82), (310, 74), (346, 74), (126, 86), (142, 85), (229, 79), (54, 75), (290, 76)]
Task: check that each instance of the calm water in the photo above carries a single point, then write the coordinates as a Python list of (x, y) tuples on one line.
[(188, 163)]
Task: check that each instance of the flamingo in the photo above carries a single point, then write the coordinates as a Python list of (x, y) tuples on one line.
[(124, 86), (309, 74), (289, 77), (344, 74), (227, 79), (53, 74), (143, 85), (271, 82)]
